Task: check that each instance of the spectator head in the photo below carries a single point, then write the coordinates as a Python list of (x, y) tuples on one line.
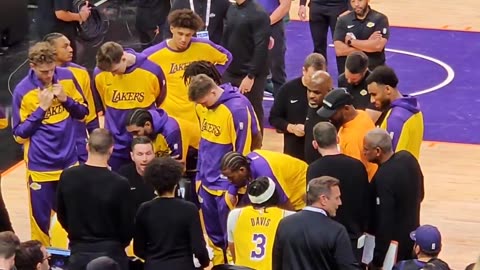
[(32, 255), (313, 62), (318, 87), (140, 123), (9, 244), (184, 23), (103, 263), (325, 136), (236, 167), (337, 106), (203, 90), (324, 192), (100, 143), (202, 67), (112, 58), (62, 46), (377, 146), (163, 173), (382, 86), (142, 153), (41, 57), (262, 193), (356, 67), (428, 240)]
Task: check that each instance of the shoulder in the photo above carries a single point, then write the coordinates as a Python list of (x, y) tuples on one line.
[(64, 73), (346, 18), (375, 15), (76, 66), (342, 81), (151, 67), (155, 48), (23, 87)]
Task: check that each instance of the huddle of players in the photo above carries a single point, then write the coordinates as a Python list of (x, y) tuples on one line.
[(53, 109)]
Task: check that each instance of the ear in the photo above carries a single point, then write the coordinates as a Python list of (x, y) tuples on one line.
[(87, 147), (171, 28), (39, 266), (304, 71), (338, 140), (131, 155), (315, 145), (31, 65)]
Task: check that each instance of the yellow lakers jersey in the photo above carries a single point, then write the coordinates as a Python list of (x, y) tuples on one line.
[(253, 236)]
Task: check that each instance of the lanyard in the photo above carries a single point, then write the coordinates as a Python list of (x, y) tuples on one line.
[(207, 16)]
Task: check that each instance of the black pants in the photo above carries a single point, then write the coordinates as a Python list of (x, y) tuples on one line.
[(321, 19), (255, 95), (277, 56), (5, 224), (82, 254)]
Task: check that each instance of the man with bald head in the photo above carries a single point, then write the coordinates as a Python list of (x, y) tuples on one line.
[(94, 206), (398, 192), (317, 88)]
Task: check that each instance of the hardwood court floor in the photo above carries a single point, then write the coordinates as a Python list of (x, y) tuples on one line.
[(452, 200)]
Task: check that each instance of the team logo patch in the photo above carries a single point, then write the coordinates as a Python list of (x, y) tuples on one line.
[(363, 92), (370, 24), (35, 186), (384, 31)]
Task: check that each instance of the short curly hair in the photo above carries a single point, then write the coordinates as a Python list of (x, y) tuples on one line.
[(41, 53), (185, 18), (163, 173)]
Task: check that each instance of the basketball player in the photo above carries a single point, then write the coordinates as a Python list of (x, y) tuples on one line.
[(125, 80), (175, 54), (46, 104), (251, 230), (209, 69), (288, 173), (404, 119), (225, 126), (63, 58), (171, 137)]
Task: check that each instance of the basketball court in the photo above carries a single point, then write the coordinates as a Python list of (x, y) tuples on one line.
[(432, 46)]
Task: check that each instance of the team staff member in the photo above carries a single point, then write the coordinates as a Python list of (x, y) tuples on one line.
[(353, 181), (320, 85), (125, 80), (287, 172), (398, 193), (142, 154), (364, 30), (46, 104), (5, 223), (352, 125), (289, 109), (151, 17), (175, 54), (209, 69), (212, 13), (323, 15), (277, 9), (63, 58), (59, 16), (97, 212), (355, 81), (225, 126), (403, 119), (247, 36), (168, 233), (311, 232), (251, 229)]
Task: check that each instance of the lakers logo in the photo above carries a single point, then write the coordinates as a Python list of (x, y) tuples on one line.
[(211, 128), (178, 67), (54, 110), (127, 96)]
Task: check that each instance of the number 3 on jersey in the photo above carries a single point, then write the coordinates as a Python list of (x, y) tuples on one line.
[(260, 242)]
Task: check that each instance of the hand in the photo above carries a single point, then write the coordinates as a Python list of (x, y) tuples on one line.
[(347, 38), (271, 43), (344, 13), (298, 129), (375, 35), (302, 13), (45, 98), (233, 199), (84, 12), (57, 90), (246, 85)]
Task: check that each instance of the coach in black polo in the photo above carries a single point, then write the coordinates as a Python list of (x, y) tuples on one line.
[(364, 30)]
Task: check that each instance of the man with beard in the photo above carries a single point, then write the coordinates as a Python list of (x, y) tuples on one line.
[(354, 79), (364, 30), (317, 88), (403, 119), (353, 125)]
